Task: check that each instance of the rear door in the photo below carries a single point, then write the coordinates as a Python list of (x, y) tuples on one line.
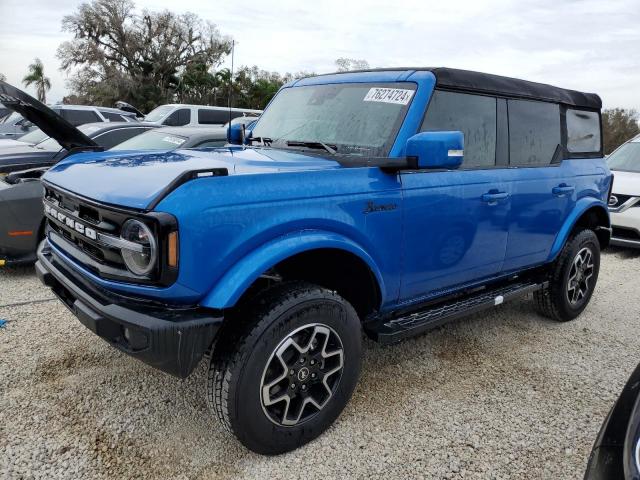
[(456, 222), (542, 188)]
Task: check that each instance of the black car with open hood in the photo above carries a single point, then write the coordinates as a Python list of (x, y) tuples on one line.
[(21, 211), (68, 137)]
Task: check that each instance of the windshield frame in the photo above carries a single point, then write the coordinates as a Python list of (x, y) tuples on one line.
[(374, 152)]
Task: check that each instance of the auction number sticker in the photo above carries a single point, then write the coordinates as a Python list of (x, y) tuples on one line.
[(398, 96), (174, 140)]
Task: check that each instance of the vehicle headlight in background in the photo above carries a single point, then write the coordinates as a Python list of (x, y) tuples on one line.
[(139, 262)]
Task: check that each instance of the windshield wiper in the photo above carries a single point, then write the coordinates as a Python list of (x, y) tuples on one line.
[(319, 145), (266, 141)]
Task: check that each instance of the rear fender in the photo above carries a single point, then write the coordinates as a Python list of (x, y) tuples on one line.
[(238, 278), (581, 207)]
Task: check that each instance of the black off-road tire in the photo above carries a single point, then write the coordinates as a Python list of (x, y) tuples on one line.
[(553, 301), (246, 346)]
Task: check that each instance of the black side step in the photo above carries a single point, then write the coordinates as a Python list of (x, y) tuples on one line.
[(395, 329)]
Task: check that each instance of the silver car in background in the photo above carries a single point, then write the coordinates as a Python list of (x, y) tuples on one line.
[(624, 203)]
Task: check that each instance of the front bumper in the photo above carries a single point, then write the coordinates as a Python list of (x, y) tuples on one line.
[(171, 339)]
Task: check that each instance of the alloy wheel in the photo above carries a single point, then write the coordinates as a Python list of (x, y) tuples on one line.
[(302, 374), (580, 274)]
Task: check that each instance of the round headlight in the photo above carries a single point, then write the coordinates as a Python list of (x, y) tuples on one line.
[(139, 260)]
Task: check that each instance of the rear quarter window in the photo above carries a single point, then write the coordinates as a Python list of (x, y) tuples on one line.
[(534, 132), (583, 131)]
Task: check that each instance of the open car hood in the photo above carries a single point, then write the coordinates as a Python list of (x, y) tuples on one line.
[(43, 117)]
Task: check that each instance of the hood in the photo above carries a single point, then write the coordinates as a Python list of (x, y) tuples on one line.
[(43, 117), (139, 180), (626, 183)]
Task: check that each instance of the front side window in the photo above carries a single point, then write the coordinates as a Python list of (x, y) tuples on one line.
[(583, 131), (626, 158), (353, 118), (474, 116), (534, 132), (178, 118)]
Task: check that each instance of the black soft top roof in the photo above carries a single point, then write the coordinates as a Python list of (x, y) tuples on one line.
[(478, 82), (512, 87)]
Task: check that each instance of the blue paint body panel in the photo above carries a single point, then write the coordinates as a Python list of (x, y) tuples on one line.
[(440, 231)]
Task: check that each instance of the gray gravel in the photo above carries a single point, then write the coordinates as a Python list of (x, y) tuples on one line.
[(500, 395)]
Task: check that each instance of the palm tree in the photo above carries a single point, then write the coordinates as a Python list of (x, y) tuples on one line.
[(37, 78)]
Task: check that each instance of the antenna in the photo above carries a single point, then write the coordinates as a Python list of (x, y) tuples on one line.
[(233, 44)]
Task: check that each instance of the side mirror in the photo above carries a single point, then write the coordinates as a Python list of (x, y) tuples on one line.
[(437, 149), (236, 134), (26, 125)]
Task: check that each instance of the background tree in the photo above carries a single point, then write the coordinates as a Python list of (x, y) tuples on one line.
[(346, 64), (120, 54), (36, 77), (618, 125)]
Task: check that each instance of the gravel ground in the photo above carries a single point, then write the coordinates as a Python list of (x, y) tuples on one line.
[(505, 394)]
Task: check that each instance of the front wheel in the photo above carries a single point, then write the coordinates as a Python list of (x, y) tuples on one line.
[(284, 377), (572, 278)]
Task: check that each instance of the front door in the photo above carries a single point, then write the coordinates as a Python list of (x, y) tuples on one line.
[(455, 230), (456, 222)]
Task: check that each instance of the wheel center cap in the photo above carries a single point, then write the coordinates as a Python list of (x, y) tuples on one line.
[(303, 374)]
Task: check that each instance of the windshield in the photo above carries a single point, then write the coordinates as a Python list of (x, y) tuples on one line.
[(12, 119), (33, 137), (152, 140), (353, 118), (51, 144), (158, 113), (626, 158)]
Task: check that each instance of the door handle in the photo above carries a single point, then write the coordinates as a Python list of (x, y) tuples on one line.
[(563, 189), (493, 197)]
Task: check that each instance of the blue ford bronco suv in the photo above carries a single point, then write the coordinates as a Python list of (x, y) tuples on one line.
[(384, 201)]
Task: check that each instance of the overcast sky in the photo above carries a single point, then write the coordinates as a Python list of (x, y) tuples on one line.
[(590, 45)]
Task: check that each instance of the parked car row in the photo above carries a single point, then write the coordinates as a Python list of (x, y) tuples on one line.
[(15, 125)]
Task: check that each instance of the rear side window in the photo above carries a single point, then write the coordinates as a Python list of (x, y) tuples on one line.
[(78, 117), (114, 137), (179, 118), (583, 131), (212, 117), (474, 116), (534, 132)]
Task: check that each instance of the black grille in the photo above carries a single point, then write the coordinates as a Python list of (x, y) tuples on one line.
[(100, 219), (96, 252), (619, 200)]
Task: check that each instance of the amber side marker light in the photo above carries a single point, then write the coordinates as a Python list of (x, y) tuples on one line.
[(20, 233), (172, 259)]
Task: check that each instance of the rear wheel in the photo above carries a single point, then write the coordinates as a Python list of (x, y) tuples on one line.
[(282, 377), (572, 278)]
